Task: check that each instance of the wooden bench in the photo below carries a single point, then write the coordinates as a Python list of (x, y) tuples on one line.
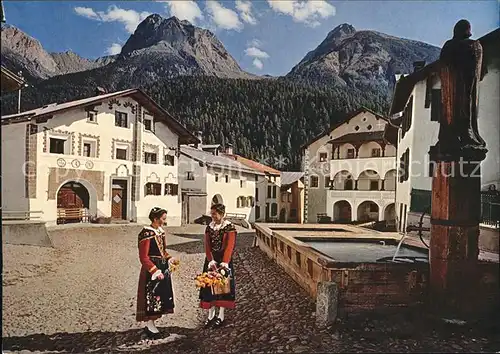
[(79, 214)]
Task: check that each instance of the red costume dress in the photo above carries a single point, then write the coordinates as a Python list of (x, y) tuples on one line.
[(154, 297), (219, 245)]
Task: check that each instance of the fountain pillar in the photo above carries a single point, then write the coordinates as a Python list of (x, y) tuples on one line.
[(456, 184)]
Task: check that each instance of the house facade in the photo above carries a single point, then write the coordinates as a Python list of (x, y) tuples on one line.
[(267, 189), (292, 197), (208, 176), (113, 155), (350, 171), (418, 98)]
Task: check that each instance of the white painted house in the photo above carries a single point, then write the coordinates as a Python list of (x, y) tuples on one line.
[(207, 176), (113, 155), (350, 171), (418, 97)]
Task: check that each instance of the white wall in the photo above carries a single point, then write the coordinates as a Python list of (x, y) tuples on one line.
[(13, 160)]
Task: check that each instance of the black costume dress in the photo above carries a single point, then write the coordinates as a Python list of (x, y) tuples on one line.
[(154, 297), (219, 246)]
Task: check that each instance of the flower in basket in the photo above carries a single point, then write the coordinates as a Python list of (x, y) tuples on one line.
[(173, 265), (209, 279)]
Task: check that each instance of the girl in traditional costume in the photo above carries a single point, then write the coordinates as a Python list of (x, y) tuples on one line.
[(155, 295), (220, 238)]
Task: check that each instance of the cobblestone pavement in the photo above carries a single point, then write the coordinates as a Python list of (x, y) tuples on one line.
[(273, 314)]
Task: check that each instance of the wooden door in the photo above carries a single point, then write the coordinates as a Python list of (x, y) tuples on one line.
[(117, 203), (68, 199)]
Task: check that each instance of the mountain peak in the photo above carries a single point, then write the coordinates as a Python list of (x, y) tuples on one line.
[(340, 32)]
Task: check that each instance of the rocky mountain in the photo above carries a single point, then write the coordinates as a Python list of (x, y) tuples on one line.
[(361, 58), (159, 48), (20, 51)]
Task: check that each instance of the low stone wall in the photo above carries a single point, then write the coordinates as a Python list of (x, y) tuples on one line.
[(29, 232)]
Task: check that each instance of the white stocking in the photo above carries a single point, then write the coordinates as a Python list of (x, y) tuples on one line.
[(211, 313), (151, 326), (221, 313)]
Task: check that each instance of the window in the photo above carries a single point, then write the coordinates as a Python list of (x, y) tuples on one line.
[(257, 212), (171, 189), (407, 117), (256, 178), (92, 116), (404, 166), (87, 147), (169, 160), (190, 176), (290, 197), (374, 185), (348, 184), (251, 202), (121, 154), (148, 122), (350, 153), (274, 209), (323, 157), (216, 177), (269, 191), (283, 197), (257, 194), (436, 105), (314, 182), (376, 152), (275, 191), (328, 182), (369, 127), (150, 157), (57, 146), (227, 178), (121, 119), (431, 168), (373, 208), (153, 189), (242, 183)]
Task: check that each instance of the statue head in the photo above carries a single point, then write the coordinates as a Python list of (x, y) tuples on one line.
[(462, 30)]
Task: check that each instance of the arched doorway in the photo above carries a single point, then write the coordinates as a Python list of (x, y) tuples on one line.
[(217, 199), (342, 211), (73, 195), (390, 212), (368, 211), (283, 215)]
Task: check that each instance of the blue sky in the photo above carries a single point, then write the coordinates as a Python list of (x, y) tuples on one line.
[(265, 37)]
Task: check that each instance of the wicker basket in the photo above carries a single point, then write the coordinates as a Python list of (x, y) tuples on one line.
[(222, 289)]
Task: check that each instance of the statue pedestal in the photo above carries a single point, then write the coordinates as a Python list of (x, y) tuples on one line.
[(456, 210)]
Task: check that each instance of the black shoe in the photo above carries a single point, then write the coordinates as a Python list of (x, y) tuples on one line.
[(151, 335), (218, 322), (209, 323)]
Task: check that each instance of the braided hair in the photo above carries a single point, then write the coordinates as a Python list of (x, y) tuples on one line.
[(156, 213), (219, 208)]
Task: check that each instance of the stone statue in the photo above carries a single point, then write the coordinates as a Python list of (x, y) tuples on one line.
[(460, 72)]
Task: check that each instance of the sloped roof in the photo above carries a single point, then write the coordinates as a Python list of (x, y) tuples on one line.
[(254, 164), (362, 136), (288, 178), (348, 117), (10, 81), (220, 161), (47, 111)]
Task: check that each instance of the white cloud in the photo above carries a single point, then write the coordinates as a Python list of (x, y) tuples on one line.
[(86, 12), (113, 49), (256, 53), (223, 17), (258, 63), (129, 18), (185, 10), (245, 9), (254, 43), (307, 12)]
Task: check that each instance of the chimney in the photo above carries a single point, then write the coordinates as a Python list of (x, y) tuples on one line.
[(199, 136), (100, 91), (417, 65), (398, 76), (229, 149)]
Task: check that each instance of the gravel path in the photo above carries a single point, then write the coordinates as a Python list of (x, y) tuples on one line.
[(273, 314)]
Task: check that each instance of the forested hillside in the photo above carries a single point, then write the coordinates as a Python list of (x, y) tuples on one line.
[(266, 120)]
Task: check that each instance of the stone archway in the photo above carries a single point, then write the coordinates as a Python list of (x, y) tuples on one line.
[(77, 194), (342, 211), (390, 212), (368, 211), (217, 199)]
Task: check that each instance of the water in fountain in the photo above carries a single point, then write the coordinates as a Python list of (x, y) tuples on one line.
[(399, 246)]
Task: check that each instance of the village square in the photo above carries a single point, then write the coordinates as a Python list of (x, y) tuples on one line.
[(386, 239)]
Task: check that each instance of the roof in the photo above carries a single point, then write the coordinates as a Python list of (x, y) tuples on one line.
[(254, 164), (288, 178), (361, 137), (405, 85), (220, 161), (47, 111), (348, 117)]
